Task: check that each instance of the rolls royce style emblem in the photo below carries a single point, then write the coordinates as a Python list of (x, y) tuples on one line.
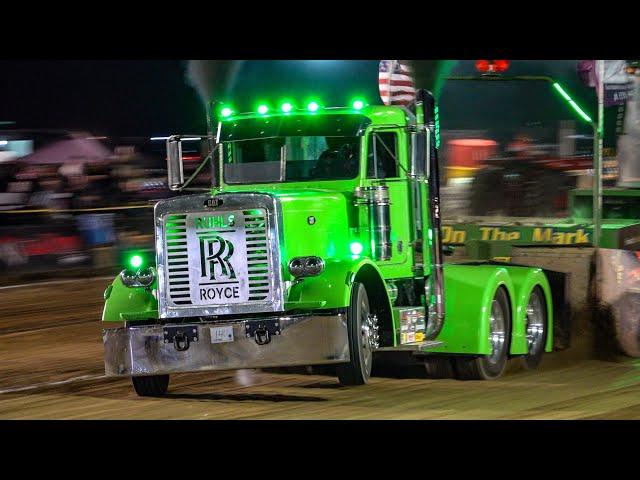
[(215, 250), (217, 258)]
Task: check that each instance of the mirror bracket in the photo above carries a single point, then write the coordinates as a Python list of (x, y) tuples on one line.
[(175, 170)]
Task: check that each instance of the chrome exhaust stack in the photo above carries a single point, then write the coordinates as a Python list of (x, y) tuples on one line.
[(434, 287)]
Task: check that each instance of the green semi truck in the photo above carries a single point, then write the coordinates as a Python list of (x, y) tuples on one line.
[(318, 243)]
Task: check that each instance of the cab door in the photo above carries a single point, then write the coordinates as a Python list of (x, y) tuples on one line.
[(387, 164)]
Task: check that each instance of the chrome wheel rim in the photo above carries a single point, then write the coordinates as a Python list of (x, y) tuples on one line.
[(496, 332), (368, 336), (535, 323)]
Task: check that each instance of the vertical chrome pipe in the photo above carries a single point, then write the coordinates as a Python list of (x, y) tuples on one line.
[(425, 112), (597, 157), (212, 122)]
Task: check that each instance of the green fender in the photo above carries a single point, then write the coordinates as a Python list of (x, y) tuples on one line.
[(131, 304), (469, 291), (332, 288), (525, 280)]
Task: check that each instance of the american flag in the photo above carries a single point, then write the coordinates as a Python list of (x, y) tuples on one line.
[(396, 83)]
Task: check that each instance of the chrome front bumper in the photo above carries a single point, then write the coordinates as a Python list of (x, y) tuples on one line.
[(303, 340)]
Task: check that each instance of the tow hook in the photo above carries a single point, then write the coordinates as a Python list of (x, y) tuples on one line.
[(181, 336), (181, 342), (262, 330), (262, 336)]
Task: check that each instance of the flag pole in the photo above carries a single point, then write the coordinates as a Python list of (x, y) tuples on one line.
[(597, 156), (390, 74)]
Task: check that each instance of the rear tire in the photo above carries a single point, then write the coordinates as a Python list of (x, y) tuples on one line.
[(358, 370), (438, 367), (626, 316), (536, 329), (492, 366), (151, 386)]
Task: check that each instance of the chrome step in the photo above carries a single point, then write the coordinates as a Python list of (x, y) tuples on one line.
[(412, 347)]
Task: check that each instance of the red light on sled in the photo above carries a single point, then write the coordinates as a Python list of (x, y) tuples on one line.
[(500, 66), (492, 66), (483, 66)]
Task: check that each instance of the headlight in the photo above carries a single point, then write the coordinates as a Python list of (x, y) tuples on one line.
[(296, 267), (313, 265), (147, 276), (306, 266), (129, 279), (141, 278)]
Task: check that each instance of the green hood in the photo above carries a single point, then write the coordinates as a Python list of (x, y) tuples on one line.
[(315, 222)]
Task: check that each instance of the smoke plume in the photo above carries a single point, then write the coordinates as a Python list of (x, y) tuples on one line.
[(431, 74), (212, 79)]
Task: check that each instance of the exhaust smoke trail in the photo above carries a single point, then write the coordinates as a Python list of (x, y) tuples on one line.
[(431, 74), (216, 79), (212, 79)]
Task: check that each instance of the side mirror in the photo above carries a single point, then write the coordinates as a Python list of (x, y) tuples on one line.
[(175, 171), (420, 154)]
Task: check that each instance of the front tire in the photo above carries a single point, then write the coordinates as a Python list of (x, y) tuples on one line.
[(151, 386), (358, 370), (491, 366)]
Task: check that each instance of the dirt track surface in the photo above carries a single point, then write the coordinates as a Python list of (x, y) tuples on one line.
[(51, 368)]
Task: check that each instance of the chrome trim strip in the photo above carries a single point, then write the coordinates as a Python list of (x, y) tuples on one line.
[(412, 347), (304, 340)]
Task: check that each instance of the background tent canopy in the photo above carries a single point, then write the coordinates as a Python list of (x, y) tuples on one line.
[(74, 150)]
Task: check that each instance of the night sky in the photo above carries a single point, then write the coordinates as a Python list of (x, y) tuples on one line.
[(153, 97), (121, 98)]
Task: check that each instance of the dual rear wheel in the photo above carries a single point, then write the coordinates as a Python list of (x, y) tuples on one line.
[(493, 365)]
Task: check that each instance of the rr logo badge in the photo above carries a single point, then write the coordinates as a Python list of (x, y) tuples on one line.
[(215, 250)]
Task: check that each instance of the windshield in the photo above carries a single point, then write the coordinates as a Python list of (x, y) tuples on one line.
[(291, 159), (292, 149)]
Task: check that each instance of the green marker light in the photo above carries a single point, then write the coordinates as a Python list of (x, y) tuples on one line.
[(226, 112), (135, 261), (313, 106), (358, 105), (437, 126), (262, 109), (286, 107), (356, 248), (573, 104)]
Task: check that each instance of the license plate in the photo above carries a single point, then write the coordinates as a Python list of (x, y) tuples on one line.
[(221, 334)]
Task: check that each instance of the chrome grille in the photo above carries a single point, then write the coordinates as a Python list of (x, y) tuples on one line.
[(186, 245), (177, 259), (255, 222)]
